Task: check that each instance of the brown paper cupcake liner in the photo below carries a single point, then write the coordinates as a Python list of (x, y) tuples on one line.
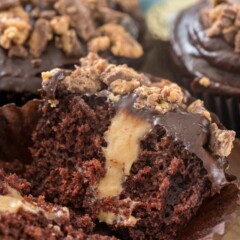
[(16, 126), (227, 109), (218, 216)]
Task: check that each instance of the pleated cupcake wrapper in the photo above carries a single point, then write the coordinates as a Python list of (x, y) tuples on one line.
[(226, 108), (16, 126)]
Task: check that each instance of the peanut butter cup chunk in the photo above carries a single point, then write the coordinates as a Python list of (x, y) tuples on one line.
[(137, 156)]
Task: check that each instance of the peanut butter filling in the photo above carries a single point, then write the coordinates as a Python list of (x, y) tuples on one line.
[(110, 218), (123, 138), (13, 202)]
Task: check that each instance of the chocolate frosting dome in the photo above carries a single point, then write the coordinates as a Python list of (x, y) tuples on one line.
[(204, 54)]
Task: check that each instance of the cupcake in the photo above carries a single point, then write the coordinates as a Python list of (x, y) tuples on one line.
[(40, 35), (205, 41), (112, 143)]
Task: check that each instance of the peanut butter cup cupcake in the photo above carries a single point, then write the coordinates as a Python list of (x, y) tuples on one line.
[(113, 144), (206, 47), (39, 35)]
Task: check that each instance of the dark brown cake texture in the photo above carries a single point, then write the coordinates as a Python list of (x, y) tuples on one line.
[(137, 156), (206, 46), (40, 35), (25, 217)]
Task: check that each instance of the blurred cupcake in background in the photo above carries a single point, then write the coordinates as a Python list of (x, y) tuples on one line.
[(206, 47), (159, 17), (36, 36)]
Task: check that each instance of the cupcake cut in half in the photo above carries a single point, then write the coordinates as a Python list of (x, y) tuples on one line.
[(136, 155), (40, 35), (206, 46)]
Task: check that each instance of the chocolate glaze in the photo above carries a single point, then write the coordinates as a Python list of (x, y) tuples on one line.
[(200, 55), (49, 89), (18, 75), (195, 139)]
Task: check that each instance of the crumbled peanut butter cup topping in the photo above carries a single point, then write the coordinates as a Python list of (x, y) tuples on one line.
[(27, 27), (221, 141), (96, 74), (223, 20)]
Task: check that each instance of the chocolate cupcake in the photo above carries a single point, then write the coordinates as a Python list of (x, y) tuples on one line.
[(113, 144), (40, 35), (206, 40)]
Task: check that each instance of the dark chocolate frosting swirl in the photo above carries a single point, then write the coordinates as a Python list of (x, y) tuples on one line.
[(200, 55)]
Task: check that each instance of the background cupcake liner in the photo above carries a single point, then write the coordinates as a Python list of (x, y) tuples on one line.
[(227, 109)]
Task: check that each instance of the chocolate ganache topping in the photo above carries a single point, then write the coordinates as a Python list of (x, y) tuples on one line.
[(36, 36), (205, 39), (158, 103)]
